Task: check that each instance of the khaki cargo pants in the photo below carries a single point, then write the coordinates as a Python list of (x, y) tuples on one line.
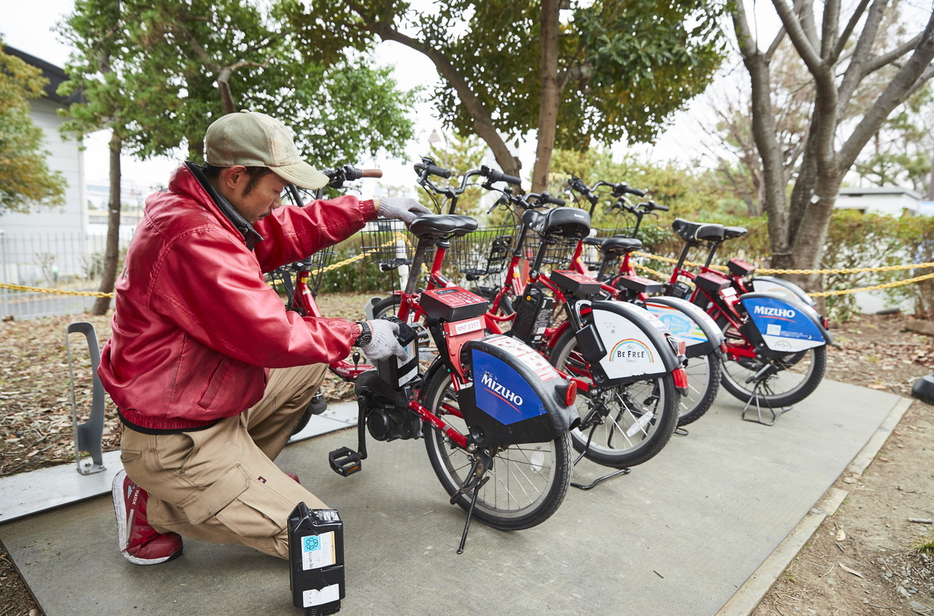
[(220, 484)]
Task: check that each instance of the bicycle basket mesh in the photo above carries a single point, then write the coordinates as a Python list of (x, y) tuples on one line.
[(482, 254), (558, 251), (319, 261), (388, 244)]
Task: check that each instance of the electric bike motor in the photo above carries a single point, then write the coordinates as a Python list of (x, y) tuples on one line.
[(779, 324), (380, 394), (515, 396)]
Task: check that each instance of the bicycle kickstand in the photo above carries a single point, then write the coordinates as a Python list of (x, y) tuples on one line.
[(598, 480), (477, 480), (761, 385)]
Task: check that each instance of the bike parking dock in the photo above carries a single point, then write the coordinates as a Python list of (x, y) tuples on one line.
[(702, 529)]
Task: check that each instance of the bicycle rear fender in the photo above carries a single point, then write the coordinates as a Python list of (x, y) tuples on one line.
[(771, 284), (688, 322), (779, 324), (631, 343), (516, 395)]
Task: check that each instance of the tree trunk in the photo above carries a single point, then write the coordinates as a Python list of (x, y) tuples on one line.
[(550, 98), (112, 249), (764, 134)]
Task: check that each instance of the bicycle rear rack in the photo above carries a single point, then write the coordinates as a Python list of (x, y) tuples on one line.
[(88, 435)]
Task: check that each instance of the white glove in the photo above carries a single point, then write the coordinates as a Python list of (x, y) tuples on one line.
[(401, 208), (383, 342)]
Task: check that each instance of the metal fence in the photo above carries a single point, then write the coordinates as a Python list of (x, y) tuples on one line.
[(59, 261)]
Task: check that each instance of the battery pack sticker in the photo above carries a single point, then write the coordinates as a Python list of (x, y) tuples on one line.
[(311, 598), (318, 551), (678, 323), (502, 393)]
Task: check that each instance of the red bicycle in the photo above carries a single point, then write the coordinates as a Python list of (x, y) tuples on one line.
[(493, 413), (702, 337), (776, 351), (625, 363)]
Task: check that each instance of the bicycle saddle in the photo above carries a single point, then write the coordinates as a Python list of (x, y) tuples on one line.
[(439, 225), (568, 222), (730, 233), (697, 231), (614, 245)]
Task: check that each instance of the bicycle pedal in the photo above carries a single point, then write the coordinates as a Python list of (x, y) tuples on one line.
[(345, 461)]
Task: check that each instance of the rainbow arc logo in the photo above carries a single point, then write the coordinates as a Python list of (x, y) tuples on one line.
[(631, 349)]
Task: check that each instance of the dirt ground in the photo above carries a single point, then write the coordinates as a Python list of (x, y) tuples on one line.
[(864, 560)]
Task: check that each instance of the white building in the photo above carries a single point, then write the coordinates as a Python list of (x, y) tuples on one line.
[(891, 200), (65, 157)]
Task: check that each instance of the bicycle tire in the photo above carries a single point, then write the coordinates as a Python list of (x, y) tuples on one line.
[(387, 306), (528, 482), (799, 376), (703, 385), (628, 423)]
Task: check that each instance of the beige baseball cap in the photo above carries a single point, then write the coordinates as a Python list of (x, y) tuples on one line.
[(254, 139)]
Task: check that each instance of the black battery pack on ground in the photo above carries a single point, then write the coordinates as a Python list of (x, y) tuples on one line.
[(316, 559)]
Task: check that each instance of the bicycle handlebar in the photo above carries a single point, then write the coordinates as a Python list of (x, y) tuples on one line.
[(546, 199), (651, 205), (426, 168), (494, 175)]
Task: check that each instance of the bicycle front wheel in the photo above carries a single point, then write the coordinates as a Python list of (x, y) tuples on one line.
[(625, 425), (527, 482)]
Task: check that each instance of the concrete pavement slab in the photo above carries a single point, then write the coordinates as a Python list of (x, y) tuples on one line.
[(678, 536)]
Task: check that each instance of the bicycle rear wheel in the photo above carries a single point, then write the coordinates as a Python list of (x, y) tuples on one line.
[(638, 419), (796, 375), (527, 482), (703, 384)]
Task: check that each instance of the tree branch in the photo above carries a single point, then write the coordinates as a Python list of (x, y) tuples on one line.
[(483, 120), (798, 37), (907, 80), (877, 62), (862, 51), (805, 12), (829, 27), (847, 31), (767, 56)]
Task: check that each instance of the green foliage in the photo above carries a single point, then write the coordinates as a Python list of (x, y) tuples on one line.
[(25, 178), (926, 546), (900, 153), (690, 193), (623, 65), (160, 72)]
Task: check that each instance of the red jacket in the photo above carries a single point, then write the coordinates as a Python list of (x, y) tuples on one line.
[(196, 327)]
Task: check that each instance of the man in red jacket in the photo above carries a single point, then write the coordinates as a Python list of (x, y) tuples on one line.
[(196, 331)]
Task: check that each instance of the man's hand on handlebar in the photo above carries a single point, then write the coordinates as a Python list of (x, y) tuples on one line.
[(401, 208)]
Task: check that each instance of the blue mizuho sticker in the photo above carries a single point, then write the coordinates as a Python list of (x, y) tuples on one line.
[(783, 327), (501, 392)]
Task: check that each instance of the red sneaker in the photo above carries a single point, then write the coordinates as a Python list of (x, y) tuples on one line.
[(139, 542), (293, 477)]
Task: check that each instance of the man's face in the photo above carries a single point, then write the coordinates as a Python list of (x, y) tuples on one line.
[(260, 201)]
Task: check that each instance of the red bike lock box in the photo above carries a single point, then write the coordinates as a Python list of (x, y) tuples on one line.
[(316, 559), (452, 304)]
